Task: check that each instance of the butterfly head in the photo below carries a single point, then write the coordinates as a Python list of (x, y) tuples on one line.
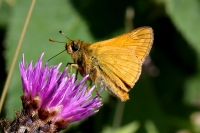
[(72, 46)]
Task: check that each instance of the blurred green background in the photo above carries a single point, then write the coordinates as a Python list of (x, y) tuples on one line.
[(166, 99)]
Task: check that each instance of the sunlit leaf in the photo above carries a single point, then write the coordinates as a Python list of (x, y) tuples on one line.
[(185, 16), (129, 128)]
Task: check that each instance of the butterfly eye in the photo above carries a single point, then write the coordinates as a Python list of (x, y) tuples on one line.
[(75, 46)]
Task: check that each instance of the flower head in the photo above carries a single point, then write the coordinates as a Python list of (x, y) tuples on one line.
[(51, 99)]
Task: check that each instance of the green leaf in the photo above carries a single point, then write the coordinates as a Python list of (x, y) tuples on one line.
[(150, 127), (185, 16), (192, 90), (4, 13), (129, 128)]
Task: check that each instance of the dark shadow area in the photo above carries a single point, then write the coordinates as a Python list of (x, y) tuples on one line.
[(3, 74)]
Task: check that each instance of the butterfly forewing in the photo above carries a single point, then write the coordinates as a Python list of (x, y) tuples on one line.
[(140, 40)]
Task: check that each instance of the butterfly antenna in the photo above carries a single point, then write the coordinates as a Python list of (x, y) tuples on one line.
[(64, 35), (52, 40), (56, 55)]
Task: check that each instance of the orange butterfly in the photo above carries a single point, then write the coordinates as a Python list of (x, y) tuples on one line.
[(115, 63)]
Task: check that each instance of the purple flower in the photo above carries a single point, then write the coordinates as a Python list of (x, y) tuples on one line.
[(51, 99)]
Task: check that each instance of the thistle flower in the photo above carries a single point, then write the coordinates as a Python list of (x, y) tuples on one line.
[(51, 99)]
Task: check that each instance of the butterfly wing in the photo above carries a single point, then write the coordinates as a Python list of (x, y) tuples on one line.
[(120, 59), (140, 40), (120, 64), (117, 69)]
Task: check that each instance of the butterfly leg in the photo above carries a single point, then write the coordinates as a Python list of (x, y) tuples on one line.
[(93, 75), (76, 75), (96, 89), (73, 65), (90, 86)]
